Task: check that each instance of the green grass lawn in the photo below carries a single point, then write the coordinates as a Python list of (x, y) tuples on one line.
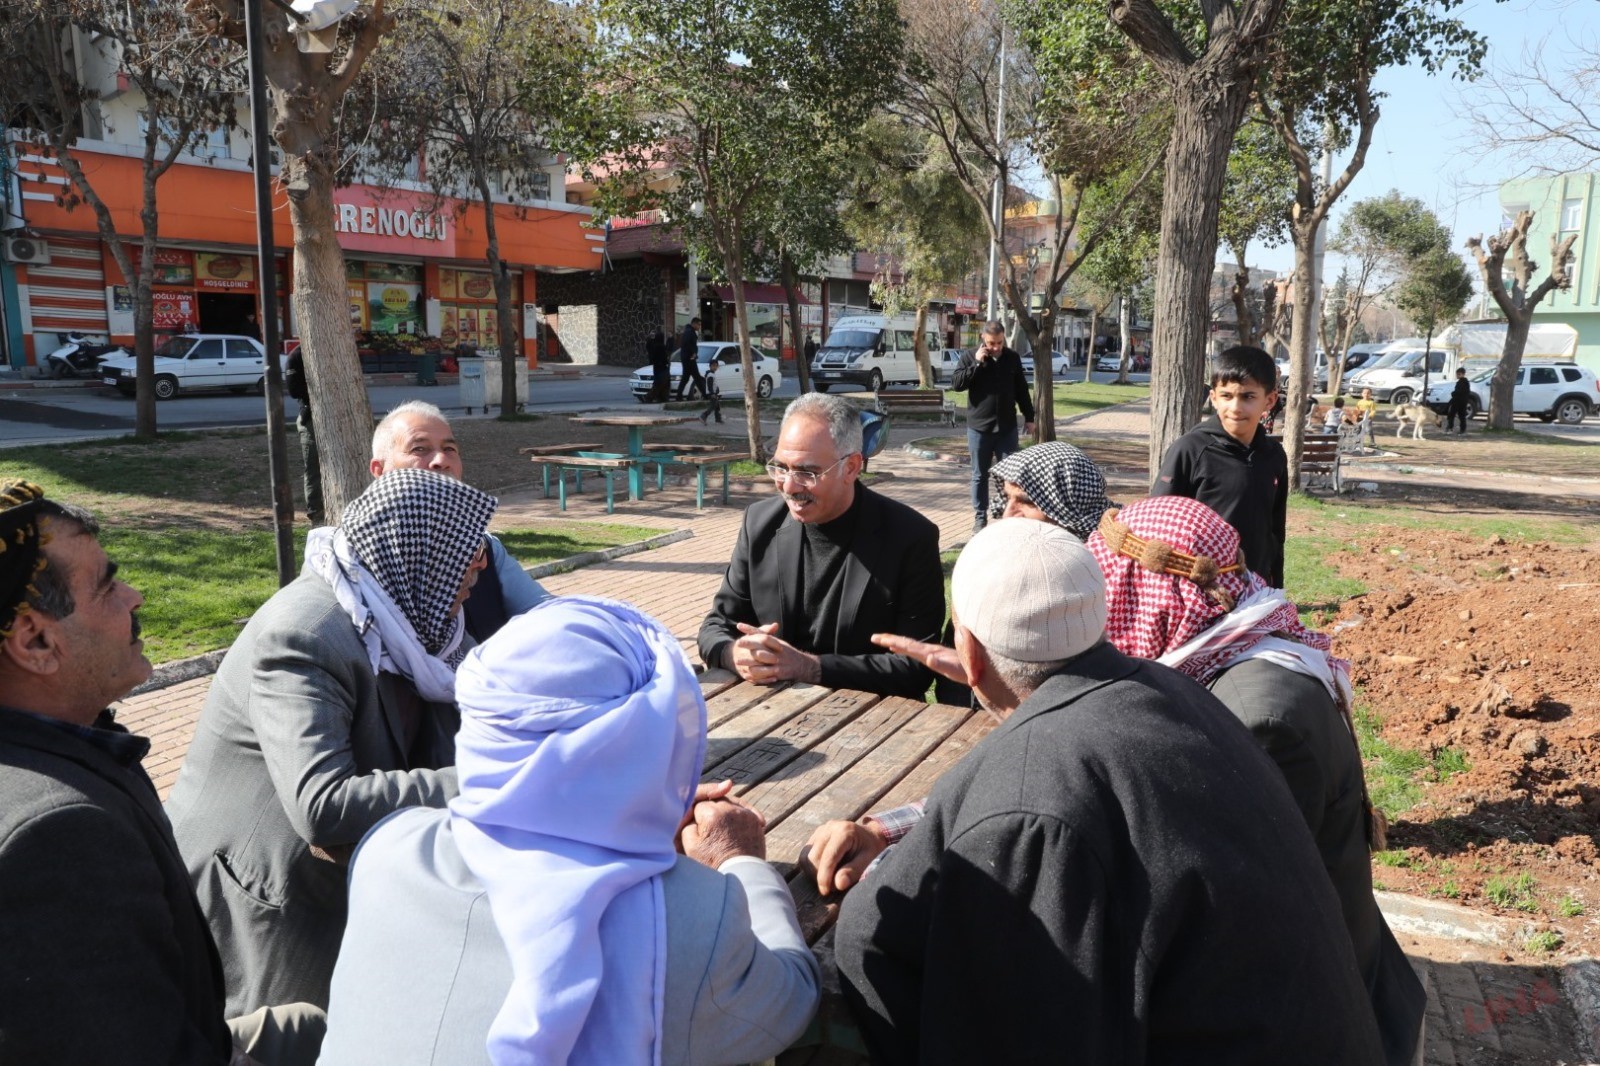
[(1079, 397), (201, 586)]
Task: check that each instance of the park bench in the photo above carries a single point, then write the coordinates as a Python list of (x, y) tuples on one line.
[(919, 401), (562, 463), (1320, 458), (700, 462)]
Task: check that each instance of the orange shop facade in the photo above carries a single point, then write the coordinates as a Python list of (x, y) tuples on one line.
[(413, 264)]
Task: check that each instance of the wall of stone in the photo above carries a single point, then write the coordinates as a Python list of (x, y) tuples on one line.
[(604, 318)]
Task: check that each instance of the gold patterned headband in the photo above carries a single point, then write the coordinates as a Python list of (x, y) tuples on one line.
[(1163, 558)]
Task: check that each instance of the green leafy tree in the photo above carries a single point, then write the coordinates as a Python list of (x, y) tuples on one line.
[(51, 50), (950, 90), (1205, 56), (737, 92), (1122, 267), (1434, 290), (487, 127), (306, 91), (1316, 92), (1508, 273), (907, 207)]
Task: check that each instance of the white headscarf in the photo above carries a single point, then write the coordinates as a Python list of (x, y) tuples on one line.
[(582, 734)]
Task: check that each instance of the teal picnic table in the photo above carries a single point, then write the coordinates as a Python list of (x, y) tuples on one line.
[(635, 424)]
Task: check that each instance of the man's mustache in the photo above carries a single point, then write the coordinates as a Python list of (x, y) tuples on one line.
[(137, 628)]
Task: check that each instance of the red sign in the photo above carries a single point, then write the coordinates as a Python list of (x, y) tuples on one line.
[(966, 305), (174, 309), (390, 220)]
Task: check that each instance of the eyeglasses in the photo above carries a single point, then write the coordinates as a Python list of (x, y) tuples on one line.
[(480, 556), (806, 479)]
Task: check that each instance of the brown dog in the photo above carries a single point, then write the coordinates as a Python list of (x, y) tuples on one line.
[(1415, 415)]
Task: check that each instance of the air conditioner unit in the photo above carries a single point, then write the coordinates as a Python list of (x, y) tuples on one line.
[(27, 250)]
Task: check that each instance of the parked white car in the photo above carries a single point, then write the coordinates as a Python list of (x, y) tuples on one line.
[(1563, 392), (768, 372), (191, 361)]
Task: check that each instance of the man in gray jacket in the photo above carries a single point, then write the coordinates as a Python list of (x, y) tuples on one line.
[(333, 709), (530, 921)]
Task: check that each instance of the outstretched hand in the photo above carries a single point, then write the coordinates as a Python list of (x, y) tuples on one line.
[(936, 657)]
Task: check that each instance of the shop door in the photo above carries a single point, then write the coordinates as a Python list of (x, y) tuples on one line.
[(228, 312)]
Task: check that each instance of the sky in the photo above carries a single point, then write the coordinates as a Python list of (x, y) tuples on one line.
[(1424, 144)]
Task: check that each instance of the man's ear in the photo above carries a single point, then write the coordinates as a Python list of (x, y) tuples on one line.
[(33, 644), (376, 467), (970, 652)]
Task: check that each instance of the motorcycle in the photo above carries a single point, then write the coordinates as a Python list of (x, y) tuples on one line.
[(77, 357)]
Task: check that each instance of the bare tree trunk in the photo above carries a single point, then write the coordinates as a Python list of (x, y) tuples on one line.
[(1244, 322), (1125, 327), (752, 401), (791, 288), (145, 425), (1301, 343), (1503, 384), (339, 404), (1208, 113), (505, 328), (924, 366), (1044, 380)]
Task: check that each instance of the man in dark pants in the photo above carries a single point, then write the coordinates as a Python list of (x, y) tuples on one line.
[(996, 386), (294, 383), (689, 353), (655, 348), (1460, 398)]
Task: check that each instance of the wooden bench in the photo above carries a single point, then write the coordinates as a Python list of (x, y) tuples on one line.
[(919, 401), (561, 463), (560, 449), (703, 461), (1320, 457)]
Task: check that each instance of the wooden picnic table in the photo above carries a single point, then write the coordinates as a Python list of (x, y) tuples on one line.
[(635, 424), (803, 755)]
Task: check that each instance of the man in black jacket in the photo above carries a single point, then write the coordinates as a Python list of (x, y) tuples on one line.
[(823, 565), (107, 957), (1116, 874), (655, 348), (689, 356), (995, 384)]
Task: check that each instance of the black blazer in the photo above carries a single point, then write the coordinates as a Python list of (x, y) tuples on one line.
[(893, 584), (104, 954)]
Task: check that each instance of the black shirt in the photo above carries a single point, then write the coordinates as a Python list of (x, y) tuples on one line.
[(824, 549), (1462, 392), (995, 388), (1247, 486)]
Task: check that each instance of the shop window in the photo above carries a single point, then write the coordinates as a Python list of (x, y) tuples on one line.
[(1571, 215)]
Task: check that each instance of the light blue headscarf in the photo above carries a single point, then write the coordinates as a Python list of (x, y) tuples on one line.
[(582, 734)]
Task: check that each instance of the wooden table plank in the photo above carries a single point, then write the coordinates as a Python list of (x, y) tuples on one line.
[(760, 719), (776, 797), (772, 750), (919, 782), (735, 698), (855, 793)]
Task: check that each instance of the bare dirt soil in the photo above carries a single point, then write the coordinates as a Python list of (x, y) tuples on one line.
[(1478, 654)]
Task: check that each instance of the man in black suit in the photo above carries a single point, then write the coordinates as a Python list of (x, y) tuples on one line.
[(689, 354), (824, 565), (107, 957)]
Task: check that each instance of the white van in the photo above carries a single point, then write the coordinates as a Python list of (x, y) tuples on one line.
[(871, 351)]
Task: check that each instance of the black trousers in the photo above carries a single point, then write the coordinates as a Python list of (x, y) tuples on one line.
[(1457, 410), (691, 373)]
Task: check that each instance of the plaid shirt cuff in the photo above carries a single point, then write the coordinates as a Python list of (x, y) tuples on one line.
[(897, 821)]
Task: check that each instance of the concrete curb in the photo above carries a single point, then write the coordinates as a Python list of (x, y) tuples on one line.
[(604, 555), (1448, 921), (180, 670), (910, 447), (1580, 982), (1448, 471)]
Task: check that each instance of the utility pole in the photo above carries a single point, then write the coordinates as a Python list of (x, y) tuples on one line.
[(998, 200)]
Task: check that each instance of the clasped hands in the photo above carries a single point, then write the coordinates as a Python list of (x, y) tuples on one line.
[(761, 657)]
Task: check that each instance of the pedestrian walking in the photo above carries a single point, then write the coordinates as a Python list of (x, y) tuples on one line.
[(713, 395), (689, 355), (655, 349), (993, 379)]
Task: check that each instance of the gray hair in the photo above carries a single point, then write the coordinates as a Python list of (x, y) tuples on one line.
[(992, 328), (842, 419), (1020, 677), (383, 436)]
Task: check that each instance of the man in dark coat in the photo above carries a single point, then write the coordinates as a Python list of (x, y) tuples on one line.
[(106, 956), (823, 565), (996, 386), (655, 349), (1116, 874), (689, 355)]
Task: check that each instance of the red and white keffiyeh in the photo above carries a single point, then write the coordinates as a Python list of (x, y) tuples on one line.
[(1201, 629)]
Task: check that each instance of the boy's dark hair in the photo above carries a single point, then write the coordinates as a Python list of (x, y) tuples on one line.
[(1461, 371), (1244, 363), (1338, 401)]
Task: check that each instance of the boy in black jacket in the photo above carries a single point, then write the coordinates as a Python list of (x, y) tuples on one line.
[(1460, 398), (1230, 464)]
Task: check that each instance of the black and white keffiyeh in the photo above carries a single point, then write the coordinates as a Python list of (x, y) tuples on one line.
[(396, 563), (1062, 482)]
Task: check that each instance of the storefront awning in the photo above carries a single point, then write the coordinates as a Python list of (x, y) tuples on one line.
[(759, 294)]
